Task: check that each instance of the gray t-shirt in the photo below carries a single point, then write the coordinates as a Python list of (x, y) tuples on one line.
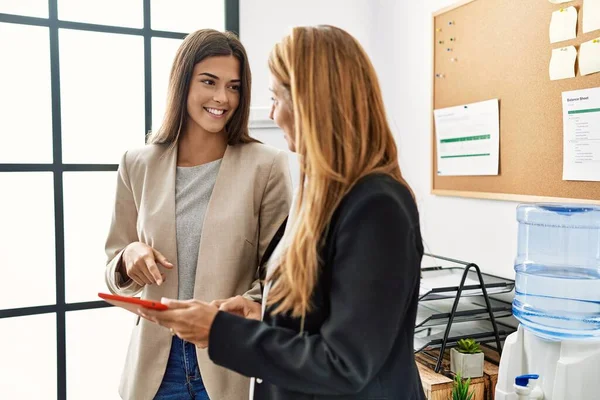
[(193, 188)]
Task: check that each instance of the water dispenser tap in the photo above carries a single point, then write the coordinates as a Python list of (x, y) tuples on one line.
[(524, 392)]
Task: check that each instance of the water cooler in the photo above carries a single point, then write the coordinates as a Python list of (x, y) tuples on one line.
[(555, 353)]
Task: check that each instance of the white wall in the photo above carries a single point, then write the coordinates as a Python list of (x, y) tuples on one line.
[(264, 22), (484, 232), (397, 36)]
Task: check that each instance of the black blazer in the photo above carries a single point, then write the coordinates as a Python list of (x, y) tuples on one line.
[(358, 339)]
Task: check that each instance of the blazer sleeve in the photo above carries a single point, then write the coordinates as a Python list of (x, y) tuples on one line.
[(274, 208), (122, 232), (374, 279)]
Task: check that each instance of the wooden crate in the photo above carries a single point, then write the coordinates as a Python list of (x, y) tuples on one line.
[(438, 386)]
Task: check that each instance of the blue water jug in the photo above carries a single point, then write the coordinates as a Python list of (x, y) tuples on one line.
[(557, 284)]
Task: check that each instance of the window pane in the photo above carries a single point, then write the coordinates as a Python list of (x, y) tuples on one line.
[(30, 8), (102, 95), (28, 357), (27, 239), (25, 95), (187, 15), (163, 53), (97, 343), (88, 200), (128, 13)]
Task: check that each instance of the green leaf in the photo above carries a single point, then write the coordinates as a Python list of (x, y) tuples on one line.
[(468, 346), (460, 388)]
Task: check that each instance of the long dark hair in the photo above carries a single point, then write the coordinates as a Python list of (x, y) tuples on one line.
[(196, 47)]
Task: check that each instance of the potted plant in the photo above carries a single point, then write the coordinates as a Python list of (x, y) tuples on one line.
[(467, 359), (460, 388)]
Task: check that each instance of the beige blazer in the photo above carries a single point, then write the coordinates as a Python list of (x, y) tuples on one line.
[(250, 200)]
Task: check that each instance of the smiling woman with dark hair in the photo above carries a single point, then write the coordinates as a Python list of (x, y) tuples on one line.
[(195, 210)]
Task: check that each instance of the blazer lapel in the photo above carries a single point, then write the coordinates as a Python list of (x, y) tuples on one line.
[(217, 206), (169, 205), (165, 196)]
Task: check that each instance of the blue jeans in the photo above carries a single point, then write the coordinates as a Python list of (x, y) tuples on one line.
[(182, 380)]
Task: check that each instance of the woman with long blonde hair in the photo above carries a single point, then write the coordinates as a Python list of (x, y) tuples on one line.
[(342, 285)]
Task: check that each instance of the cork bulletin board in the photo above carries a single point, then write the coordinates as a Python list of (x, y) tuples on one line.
[(501, 49)]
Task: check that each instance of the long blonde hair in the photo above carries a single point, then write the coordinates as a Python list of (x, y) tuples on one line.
[(197, 46), (341, 134)]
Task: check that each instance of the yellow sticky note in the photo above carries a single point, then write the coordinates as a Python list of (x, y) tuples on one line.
[(591, 15), (562, 63), (589, 57), (563, 25)]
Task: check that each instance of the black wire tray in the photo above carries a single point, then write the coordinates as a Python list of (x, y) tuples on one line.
[(443, 282), (437, 313), (481, 331)]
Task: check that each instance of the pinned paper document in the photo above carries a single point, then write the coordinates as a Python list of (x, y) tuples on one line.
[(581, 135), (589, 57), (467, 139), (562, 64), (563, 25), (591, 15)]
